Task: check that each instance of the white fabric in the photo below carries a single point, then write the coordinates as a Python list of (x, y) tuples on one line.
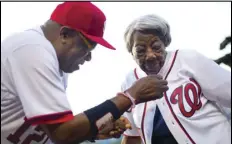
[(31, 83), (207, 124)]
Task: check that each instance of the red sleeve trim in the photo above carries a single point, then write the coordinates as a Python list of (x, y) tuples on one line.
[(50, 118), (130, 136)]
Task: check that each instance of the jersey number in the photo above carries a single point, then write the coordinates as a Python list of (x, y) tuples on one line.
[(182, 92), (15, 138)]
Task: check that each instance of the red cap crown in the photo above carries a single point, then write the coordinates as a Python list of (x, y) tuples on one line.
[(83, 17)]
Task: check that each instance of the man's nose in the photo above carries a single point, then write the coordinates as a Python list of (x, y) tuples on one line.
[(88, 57)]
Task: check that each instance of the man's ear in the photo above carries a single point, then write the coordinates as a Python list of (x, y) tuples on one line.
[(66, 32)]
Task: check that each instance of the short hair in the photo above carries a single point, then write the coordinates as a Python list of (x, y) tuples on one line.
[(148, 23)]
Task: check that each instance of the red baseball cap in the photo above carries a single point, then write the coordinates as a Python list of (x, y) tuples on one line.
[(83, 17)]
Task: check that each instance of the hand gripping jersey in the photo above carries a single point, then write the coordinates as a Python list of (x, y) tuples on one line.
[(191, 108), (32, 88)]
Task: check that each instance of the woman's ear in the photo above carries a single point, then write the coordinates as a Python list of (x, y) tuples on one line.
[(132, 53)]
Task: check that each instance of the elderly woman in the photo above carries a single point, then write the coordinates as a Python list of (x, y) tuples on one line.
[(190, 111)]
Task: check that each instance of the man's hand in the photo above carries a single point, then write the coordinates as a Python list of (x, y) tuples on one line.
[(148, 88), (79, 128), (114, 129)]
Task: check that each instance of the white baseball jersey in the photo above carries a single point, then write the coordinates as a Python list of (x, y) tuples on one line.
[(189, 108), (32, 88)]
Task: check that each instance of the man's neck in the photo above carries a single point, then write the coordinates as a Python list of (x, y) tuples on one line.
[(49, 34)]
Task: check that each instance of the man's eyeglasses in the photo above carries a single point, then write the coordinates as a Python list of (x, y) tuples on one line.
[(87, 42)]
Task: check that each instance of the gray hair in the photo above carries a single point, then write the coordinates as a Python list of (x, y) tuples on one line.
[(148, 22)]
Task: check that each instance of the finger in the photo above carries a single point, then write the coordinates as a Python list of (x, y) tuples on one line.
[(116, 134), (123, 119), (126, 120), (120, 131), (159, 76), (156, 76), (164, 88), (162, 82), (112, 133), (128, 126), (127, 123), (120, 125), (161, 88), (117, 128)]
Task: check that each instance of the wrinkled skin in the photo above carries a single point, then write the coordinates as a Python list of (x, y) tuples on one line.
[(149, 52)]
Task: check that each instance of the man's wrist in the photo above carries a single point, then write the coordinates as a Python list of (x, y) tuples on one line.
[(123, 103), (133, 94), (101, 115), (127, 95), (125, 99)]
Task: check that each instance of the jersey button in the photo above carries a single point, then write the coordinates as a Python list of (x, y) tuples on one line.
[(173, 123)]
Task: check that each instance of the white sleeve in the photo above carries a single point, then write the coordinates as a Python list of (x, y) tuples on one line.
[(215, 81), (134, 131), (35, 73)]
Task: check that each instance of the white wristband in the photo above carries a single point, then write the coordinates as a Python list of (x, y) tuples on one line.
[(126, 94)]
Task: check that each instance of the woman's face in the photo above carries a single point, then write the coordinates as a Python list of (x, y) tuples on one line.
[(149, 52)]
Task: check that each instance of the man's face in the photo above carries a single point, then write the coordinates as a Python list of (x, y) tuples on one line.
[(149, 52), (76, 50)]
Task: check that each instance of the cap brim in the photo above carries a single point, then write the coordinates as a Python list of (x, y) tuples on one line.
[(99, 40)]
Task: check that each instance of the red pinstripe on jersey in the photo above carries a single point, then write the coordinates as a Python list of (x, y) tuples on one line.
[(170, 108)]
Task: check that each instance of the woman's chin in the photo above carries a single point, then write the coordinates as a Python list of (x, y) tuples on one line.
[(154, 70)]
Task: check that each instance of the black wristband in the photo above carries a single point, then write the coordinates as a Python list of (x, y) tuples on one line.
[(98, 112)]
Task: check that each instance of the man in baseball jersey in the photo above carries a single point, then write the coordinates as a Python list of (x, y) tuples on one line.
[(190, 111), (34, 107)]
